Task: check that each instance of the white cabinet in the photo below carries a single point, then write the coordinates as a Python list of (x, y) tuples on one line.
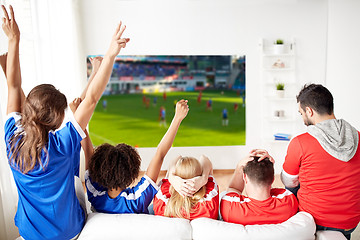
[(280, 111)]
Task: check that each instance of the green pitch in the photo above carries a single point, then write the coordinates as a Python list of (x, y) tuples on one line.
[(127, 119)]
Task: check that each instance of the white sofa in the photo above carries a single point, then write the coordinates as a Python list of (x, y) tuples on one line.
[(144, 226)]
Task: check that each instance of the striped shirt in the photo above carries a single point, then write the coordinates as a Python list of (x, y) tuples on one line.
[(206, 207), (130, 200), (279, 207)]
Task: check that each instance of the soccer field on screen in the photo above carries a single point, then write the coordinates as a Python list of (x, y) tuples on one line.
[(130, 120)]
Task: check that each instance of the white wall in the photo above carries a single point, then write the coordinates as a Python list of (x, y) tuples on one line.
[(343, 70), (215, 27)]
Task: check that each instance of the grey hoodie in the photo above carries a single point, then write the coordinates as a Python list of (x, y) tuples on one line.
[(337, 137)]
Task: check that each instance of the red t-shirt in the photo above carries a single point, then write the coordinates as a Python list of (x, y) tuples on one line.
[(207, 207), (329, 188), (278, 208)]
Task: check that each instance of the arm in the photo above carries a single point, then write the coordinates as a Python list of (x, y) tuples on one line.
[(291, 167), (97, 86), (237, 182), (95, 63), (88, 148), (188, 187), (86, 143), (165, 144), (290, 181), (15, 93)]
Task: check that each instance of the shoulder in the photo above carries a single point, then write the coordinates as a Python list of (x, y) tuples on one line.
[(300, 142), (69, 126), (212, 189), (12, 122), (285, 201), (142, 189), (233, 197), (303, 138), (94, 190), (280, 193)]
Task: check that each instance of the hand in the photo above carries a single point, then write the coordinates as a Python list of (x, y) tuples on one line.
[(10, 26), (95, 63), (245, 160), (75, 104), (194, 184), (262, 154), (181, 186), (181, 109), (117, 42)]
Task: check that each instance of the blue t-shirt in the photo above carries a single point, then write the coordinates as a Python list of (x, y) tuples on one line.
[(225, 113), (48, 207), (130, 200)]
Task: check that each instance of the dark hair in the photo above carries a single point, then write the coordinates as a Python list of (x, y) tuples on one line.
[(261, 173), (114, 166), (317, 97), (43, 110)]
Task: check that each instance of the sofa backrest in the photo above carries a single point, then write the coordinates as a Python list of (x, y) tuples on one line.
[(299, 227), (144, 226), (134, 226)]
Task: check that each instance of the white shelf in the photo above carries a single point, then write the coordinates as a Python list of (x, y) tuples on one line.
[(271, 102), (281, 119), (280, 141), (278, 55), (284, 99), (272, 140), (279, 69), (286, 82)]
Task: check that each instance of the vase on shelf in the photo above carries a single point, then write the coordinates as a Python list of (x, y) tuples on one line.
[(279, 49), (280, 93)]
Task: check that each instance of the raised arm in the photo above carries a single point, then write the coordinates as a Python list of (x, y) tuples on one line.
[(95, 63), (88, 148), (86, 143), (98, 84), (188, 187), (13, 75), (165, 144), (237, 182)]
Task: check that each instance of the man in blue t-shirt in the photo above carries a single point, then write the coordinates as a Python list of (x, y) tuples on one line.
[(225, 120)]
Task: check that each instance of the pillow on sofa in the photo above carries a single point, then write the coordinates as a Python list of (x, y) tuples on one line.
[(134, 226), (299, 227)]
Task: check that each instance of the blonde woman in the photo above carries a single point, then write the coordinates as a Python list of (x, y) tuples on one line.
[(188, 191)]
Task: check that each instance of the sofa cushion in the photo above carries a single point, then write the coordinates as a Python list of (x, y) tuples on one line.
[(329, 235), (134, 226), (299, 227)]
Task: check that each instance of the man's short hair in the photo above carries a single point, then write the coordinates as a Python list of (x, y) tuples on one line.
[(261, 173), (317, 97)]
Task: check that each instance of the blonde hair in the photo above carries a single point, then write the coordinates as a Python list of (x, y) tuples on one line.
[(43, 111), (179, 206)]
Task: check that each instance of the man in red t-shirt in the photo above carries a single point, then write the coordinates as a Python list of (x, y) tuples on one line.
[(324, 164), (262, 205)]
